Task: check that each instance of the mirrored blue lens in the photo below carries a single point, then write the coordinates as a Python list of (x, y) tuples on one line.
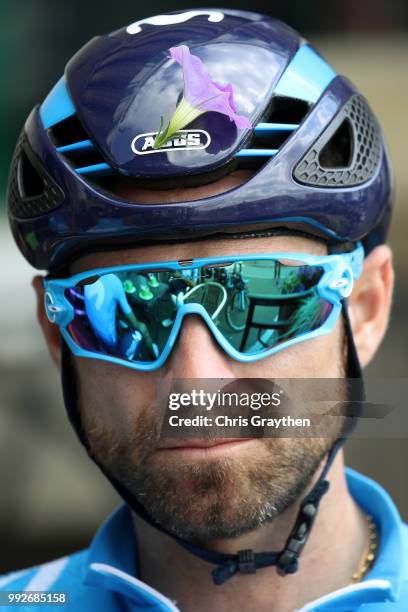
[(255, 304)]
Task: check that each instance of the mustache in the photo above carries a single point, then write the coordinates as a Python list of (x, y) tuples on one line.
[(236, 386), (145, 433)]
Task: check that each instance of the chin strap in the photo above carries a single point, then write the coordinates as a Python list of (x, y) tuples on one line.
[(286, 560), (244, 561)]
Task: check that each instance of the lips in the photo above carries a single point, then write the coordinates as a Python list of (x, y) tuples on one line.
[(185, 444)]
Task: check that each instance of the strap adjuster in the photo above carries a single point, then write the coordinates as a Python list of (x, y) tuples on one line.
[(246, 561)]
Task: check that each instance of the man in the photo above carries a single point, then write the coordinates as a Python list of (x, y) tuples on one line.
[(286, 178), (102, 299)]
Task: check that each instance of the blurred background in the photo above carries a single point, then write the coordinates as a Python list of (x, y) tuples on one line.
[(52, 497)]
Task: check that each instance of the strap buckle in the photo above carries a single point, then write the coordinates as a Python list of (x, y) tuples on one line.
[(297, 539), (246, 561)]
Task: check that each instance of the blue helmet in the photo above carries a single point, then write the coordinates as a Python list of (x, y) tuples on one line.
[(318, 159)]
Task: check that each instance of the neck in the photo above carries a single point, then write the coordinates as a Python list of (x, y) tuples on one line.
[(331, 555)]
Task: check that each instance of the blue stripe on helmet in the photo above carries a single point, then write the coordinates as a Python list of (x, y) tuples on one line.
[(306, 76), (75, 146), (256, 153), (57, 105), (95, 168), (276, 127)]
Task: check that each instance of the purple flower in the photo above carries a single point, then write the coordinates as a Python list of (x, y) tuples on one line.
[(201, 94)]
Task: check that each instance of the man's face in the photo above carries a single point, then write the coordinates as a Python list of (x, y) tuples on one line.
[(202, 494)]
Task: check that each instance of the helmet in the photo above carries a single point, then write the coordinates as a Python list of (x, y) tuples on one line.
[(316, 151)]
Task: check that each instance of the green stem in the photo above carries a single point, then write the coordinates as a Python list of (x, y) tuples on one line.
[(182, 116)]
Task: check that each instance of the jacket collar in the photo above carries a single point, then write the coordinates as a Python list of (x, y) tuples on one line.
[(111, 562), (384, 581)]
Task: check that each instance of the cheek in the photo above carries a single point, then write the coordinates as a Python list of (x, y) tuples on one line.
[(112, 394)]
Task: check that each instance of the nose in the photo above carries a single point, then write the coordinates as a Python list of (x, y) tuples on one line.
[(197, 354)]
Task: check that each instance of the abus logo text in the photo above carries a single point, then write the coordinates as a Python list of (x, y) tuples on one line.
[(187, 140)]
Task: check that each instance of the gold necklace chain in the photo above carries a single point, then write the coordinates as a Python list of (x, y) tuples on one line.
[(370, 551)]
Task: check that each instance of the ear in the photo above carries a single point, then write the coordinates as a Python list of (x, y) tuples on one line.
[(370, 302), (50, 330)]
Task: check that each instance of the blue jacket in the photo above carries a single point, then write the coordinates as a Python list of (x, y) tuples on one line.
[(102, 576)]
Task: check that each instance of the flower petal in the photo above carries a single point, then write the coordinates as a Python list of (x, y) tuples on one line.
[(202, 92), (227, 88), (242, 122), (197, 82)]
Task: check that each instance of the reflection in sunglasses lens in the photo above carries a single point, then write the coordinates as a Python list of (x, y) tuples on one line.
[(256, 305)]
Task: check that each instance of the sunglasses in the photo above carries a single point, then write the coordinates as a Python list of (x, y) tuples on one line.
[(254, 305)]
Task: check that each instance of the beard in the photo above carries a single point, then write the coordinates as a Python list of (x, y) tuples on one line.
[(204, 500)]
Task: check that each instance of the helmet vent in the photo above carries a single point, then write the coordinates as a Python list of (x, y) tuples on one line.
[(82, 157), (32, 192), (30, 183), (283, 109), (73, 144), (347, 153), (271, 137), (281, 119), (67, 131), (338, 151)]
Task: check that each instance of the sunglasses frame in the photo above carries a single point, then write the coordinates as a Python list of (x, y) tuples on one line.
[(335, 285)]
